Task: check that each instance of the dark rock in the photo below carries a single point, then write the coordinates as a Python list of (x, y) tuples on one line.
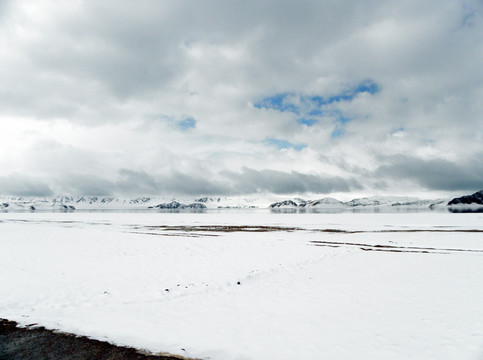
[(139, 200), (67, 207), (196, 206), (474, 199), (176, 205), (171, 205), (284, 203)]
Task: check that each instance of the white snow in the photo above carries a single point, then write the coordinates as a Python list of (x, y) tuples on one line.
[(105, 275)]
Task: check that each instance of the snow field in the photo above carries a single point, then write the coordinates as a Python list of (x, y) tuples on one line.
[(107, 275)]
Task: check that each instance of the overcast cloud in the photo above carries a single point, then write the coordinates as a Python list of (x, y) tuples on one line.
[(216, 97)]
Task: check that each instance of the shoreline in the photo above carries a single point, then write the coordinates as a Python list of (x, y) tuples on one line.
[(39, 343)]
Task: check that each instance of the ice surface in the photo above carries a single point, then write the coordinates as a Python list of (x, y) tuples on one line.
[(311, 286)]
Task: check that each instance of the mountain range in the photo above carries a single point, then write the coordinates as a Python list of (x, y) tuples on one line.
[(70, 203)]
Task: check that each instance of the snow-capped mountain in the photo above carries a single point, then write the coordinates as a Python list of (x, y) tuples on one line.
[(71, 203), (325, 203), (369, 202), (176, 205), (295, 203), (301, 203), (389, 201), (475, 199)]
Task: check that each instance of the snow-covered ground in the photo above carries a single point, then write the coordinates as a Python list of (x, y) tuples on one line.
[(252, 284)]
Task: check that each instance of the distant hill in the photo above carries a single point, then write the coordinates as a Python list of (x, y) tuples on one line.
[(367, 202), (475, 199), (71, 203)]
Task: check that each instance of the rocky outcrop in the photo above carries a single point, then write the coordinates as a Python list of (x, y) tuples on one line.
[(207, 199), (65, 207), (474, 199), (285, 203), (142, 200), (174, 205)]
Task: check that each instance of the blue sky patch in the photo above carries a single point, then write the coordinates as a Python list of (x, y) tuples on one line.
[(311, 109), (338, 132), (280, 102), (313, 105), (342, 119), (307, 121), (284, 144), (347, 95), (186, 123)]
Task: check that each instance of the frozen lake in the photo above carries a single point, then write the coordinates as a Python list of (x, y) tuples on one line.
[(252, 284)]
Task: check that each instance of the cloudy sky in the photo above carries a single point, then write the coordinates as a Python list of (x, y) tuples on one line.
[(241, 97)]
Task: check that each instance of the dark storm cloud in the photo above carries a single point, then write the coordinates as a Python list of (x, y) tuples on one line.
[(20, 185), (129, 182), (279, 182), (248, 181), (97, 51), (132, 182), (85, 184), (188, 184), (136, 182), (140, 182), (434, 174)]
